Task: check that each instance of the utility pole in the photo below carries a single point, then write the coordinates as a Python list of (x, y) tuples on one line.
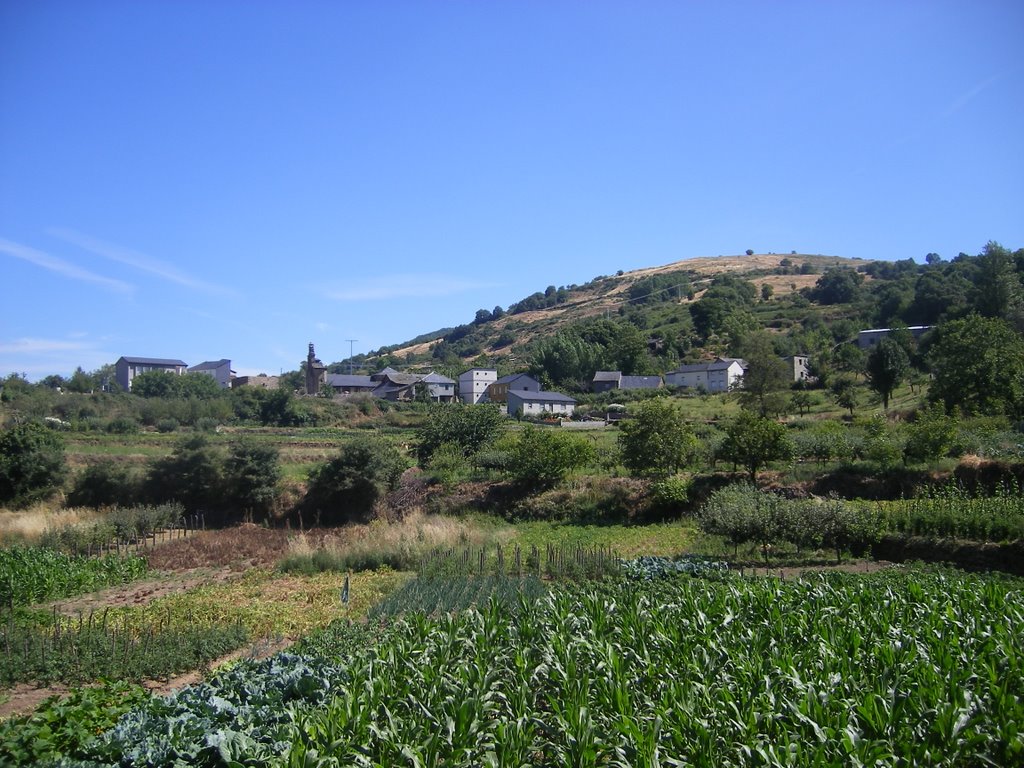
[(350, 343)]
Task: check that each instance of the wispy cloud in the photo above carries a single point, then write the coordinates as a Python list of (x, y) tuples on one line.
[(965, 98), (38, 357), (402, 286), (61, 267), (137, 260), (41, 346)]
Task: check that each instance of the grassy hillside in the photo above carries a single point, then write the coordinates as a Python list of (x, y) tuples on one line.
[(655, 299)]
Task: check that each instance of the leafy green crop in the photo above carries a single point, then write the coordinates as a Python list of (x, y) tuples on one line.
[(902, 667), (64, 727)]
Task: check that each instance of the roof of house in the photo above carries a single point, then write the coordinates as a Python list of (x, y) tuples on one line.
[(151, 361), (437, 378), (721, 365), (349, 380), (541, 397), (211, 365), (607, 375), (691, 368), (515, 377), (402, 379), (889, 330), (640, 382)]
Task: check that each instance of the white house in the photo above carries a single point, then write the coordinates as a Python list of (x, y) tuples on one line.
[(127, 368), (797, 366), (220, 370), (522, 402), (473, 384), (720, 376)]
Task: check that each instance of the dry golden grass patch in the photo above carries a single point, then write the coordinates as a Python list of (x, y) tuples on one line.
[(28, 525), (415, 534)]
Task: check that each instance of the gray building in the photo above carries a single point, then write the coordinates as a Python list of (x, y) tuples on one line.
[(524, 403), (127, 368), (220, 370)]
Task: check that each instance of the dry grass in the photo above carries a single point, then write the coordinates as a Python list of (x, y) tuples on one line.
[(405, 540), (28, 525)]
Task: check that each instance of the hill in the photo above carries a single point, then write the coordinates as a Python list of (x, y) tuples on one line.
[(642, 295)]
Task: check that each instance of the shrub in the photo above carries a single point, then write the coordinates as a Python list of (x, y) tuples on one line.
[(447, 464), (193, 475), (670, 494), (542, 457), (108, 483), (252, 473), (471, 427), (122, 425), (32, 463), (166, 425), (931, 435), (347, 487)]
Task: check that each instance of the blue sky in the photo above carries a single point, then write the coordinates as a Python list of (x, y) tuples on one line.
[(201, 180)]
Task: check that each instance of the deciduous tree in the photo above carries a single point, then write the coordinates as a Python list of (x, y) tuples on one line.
[(656, 441), (978, 364), (886, 367), (753, 441)]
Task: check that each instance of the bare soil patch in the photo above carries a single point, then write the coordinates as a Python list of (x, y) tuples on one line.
[(238, 549)]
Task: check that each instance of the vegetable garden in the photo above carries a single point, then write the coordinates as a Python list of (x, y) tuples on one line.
[(662, 665)]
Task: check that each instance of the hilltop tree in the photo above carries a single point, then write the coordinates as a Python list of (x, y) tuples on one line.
[(886, 367), (839, 285)]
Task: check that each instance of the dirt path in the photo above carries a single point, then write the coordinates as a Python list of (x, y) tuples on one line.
[(140, 593)]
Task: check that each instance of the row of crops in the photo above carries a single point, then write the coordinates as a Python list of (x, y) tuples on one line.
[(30, 575), (902, 667)]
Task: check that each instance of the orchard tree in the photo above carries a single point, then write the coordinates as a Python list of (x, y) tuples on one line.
[(753, 441), (978, 364), (541, 457), (32, 463), (656, 441), (886, 367), (470, 427), (844, 392)]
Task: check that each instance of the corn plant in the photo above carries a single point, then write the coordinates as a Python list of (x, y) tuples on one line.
[(31, 575)]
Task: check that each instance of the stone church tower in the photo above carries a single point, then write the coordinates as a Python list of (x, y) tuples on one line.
[(316, 372)]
